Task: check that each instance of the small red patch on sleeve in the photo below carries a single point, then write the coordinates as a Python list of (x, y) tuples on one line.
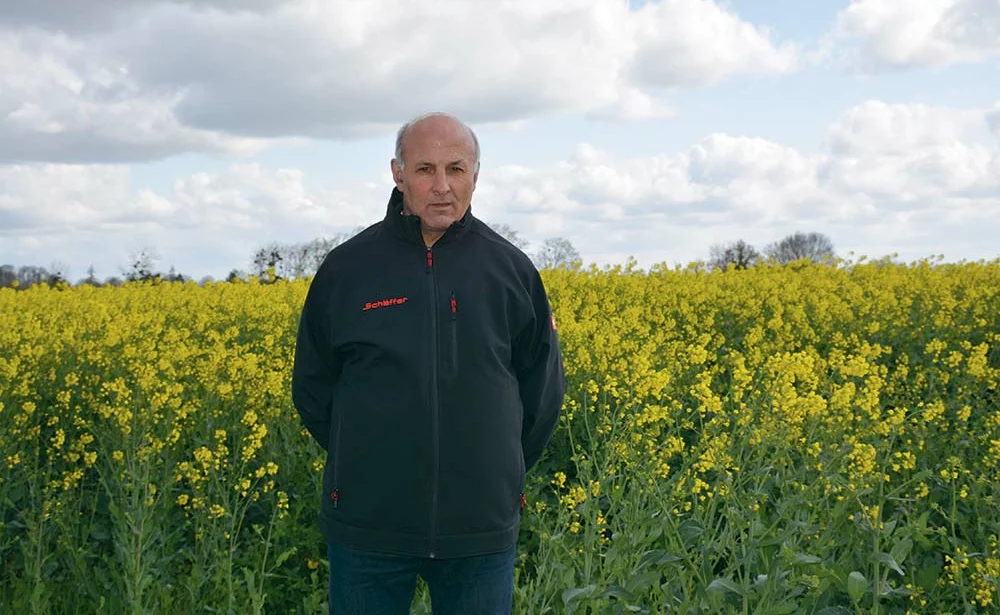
[(552, 317)]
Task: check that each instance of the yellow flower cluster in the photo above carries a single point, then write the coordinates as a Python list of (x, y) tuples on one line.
[(685, 387), (845, 381), (177, 381)]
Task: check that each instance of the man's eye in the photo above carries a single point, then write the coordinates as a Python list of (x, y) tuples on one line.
[(457, 170)]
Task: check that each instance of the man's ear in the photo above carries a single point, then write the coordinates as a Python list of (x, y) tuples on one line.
[(397, 173)]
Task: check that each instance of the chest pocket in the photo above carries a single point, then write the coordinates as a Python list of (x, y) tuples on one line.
[(380, 323)]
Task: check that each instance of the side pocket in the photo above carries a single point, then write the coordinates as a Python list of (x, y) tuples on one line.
[(335, 493)]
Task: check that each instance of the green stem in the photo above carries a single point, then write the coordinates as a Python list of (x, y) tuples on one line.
[(263, 560)]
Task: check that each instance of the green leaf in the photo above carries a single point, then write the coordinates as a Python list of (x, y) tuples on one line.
[(927, 575), (785, 608), (578, 593), (887, 559), (856, 585), (804, 559), (901, 550), (724, 585), (657, 557), (921, 522), (617, 591), (690, 530), (889, 527), (901, 591), (650, 558), (641, 582), (656, 534), (284, 557), (100, 532), (835, 610)]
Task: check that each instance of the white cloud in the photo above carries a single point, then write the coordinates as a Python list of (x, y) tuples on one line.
[(57, 104), (88, 16), (94, 214), (939, 194), (912, 152), (904, 33), (680, 43), (877, 127), (633, 105), (50, 196), (893, 178), (140, 81), (666, 203), (993, 119)]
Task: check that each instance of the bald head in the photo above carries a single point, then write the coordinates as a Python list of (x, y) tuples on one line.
[(439, 177), (435, 124)]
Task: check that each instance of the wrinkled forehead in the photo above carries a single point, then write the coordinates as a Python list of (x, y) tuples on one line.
[(436, 137)]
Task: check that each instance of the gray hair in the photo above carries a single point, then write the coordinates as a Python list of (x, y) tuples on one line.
[(402, 133)]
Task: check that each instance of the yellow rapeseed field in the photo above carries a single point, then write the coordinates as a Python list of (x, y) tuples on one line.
[(798, 439)]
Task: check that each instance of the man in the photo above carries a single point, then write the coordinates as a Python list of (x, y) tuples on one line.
[(428, 367)]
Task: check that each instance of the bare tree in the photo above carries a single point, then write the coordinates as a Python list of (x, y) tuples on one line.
[(297, 260), (813, 246), (173, 276), (91, 278), (8, 275), (738, 253), (29, 275), (304, 259), (59, 272), (267, 258), (142, 266), (511, 235), (557, 252)]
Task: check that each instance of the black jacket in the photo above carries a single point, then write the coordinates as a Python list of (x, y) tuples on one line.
[(434, 379)]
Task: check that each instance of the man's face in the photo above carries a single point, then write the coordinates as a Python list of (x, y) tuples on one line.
[(439, 174)]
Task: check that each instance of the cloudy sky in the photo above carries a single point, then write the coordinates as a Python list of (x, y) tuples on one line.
[(201, 130)]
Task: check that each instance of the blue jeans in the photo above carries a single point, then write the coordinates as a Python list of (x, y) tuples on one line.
[(366, 583)]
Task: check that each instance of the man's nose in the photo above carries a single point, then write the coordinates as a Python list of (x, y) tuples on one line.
[(441, 184)]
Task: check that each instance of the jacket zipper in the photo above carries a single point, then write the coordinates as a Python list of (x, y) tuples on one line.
[(435, 436), (335, 495)]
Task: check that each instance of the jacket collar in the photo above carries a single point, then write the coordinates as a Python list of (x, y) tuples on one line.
[(407, 227)]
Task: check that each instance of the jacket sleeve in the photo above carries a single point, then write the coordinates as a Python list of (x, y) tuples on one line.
[(541, 375), (315, 371)]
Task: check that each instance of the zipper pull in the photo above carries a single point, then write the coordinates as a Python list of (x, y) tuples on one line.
[(335, 496), (454, 307), (430, 260)]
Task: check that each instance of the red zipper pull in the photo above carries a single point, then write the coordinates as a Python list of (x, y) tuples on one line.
[(335, 496), (454, 307), (430, 259)]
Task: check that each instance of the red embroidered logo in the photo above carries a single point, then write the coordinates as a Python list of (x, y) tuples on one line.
[(371, 305)]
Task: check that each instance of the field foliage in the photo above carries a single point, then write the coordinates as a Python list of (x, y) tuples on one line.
[(820, 439)]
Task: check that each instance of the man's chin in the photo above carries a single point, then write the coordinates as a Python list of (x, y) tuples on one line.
[(438, 224)]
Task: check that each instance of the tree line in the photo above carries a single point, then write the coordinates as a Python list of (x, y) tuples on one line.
[(739, 254), (276, 260)]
